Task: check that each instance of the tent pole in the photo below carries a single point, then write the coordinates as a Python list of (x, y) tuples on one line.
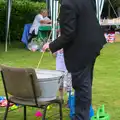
[(8, 14), (48, 7), (54, 20), (97, 8), (101, 7), (51, 8)]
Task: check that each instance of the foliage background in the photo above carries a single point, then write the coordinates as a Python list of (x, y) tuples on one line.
[(23, 12)]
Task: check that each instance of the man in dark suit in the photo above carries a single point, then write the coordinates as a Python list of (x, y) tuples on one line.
[(82, 39)]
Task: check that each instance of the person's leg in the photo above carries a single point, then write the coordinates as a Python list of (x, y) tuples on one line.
[(67, 86), (92, 70), (82, 83), (30, 38), (31, 35), (68, 82)]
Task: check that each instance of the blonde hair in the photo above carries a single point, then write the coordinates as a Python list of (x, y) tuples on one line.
[(43, 11)]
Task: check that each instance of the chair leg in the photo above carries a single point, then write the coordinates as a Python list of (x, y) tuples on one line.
[(44, 112), (6, 111), (25, 112), (60, 110)]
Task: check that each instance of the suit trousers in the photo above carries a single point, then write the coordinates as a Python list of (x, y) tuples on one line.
[(82, 84)]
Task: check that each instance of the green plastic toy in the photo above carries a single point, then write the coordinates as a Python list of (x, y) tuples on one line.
[(101, 115), (13, 107)]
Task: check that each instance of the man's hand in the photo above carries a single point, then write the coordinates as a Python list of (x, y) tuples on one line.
[(45, 47)]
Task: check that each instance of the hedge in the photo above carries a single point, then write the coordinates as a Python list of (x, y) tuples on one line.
[(23, 12)]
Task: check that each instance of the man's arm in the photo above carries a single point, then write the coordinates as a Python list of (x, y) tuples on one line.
[(68, 28)]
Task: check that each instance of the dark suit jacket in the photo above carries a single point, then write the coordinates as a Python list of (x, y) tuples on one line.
[(81, 35)]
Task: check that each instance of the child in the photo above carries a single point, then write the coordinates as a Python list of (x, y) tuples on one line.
[(66, 82)]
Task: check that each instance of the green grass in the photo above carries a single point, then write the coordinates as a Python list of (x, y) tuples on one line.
[(106, 85)]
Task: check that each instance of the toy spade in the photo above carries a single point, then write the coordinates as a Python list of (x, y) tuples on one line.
[(101, 115)]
